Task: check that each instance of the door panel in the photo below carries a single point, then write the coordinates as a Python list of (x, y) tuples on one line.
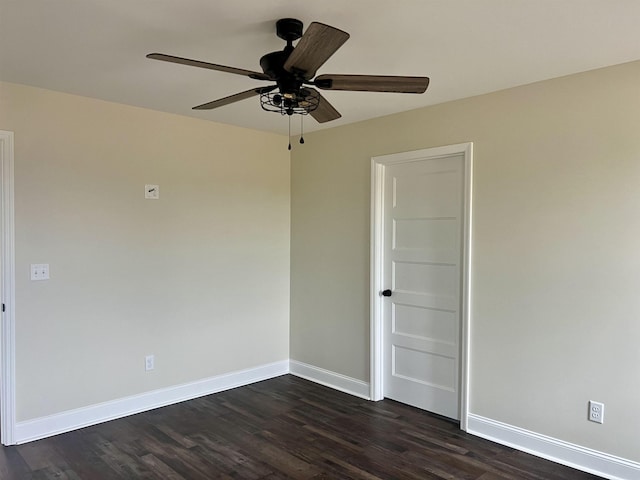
[(437, 234), (422, 205), (424, 278), (424, 323), (424, 367), (422, 194)]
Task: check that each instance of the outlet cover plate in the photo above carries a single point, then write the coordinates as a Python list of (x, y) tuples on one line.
[(596, 412), (39, 271), (149, 362)]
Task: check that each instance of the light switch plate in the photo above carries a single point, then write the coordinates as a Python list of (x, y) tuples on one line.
[(152, 192), (39, 271)]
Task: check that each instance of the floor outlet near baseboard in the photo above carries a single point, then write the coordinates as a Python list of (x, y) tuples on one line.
[(149, 362)]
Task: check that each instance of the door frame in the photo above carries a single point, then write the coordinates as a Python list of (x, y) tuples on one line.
[(378, 165), (7, 271)]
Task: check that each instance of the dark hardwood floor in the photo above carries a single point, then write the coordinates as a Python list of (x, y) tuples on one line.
[(280, 428)]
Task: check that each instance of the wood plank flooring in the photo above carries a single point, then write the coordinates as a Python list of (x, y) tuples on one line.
[(283, 428)]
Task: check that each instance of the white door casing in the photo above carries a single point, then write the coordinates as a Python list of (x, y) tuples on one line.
[(421, 219), (7, 281)]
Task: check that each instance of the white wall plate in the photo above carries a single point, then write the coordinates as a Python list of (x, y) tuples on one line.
[(152, 192)]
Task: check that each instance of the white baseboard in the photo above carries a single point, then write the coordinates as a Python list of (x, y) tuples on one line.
[(575, 456), (48, 426), (330, 379)]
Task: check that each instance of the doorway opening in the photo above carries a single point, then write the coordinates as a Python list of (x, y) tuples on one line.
[(420, 278)]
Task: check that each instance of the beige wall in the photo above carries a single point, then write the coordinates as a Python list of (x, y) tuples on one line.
[(556, 264), (199, 278), (555, 272)]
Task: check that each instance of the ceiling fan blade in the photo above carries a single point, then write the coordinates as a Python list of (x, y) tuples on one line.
[(210, 66), (325, 111), (234, 98), (372, 83), (318, 43)]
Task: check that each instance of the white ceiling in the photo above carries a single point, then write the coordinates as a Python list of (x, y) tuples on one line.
[(97, 48)]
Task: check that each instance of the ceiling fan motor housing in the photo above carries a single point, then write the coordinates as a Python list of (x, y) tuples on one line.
[(272, 64)]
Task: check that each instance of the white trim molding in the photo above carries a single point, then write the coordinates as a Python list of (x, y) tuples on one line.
[(48, 426), (7, 262), (378, 165), (565, 453), (330, 379)]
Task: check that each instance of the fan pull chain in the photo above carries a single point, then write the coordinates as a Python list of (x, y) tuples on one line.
[(301, 129), (289, 132)]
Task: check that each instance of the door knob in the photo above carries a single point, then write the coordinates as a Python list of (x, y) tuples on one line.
[(386, 293)]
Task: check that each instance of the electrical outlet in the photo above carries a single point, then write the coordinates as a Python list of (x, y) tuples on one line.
[(149, 362), (596, 411)]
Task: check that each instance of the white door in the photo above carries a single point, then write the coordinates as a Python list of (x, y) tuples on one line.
[(423, 218)]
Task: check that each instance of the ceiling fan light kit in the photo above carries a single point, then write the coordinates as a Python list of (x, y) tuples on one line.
[(293, 70), (287, 104)]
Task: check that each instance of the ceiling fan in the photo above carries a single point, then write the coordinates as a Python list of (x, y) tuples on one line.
[(293, 70)]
